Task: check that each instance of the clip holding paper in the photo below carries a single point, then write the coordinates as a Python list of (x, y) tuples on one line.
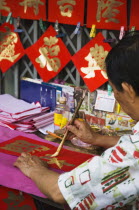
[(118, 108), (133, 30), (43, 28), (56, 26), (122, 32), (109, 40), (77, 29), (93, 31), (109, 88), (8, 17), (17, 29), (60, 35)]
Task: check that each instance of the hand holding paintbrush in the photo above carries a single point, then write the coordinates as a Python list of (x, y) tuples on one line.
[(71, 122)]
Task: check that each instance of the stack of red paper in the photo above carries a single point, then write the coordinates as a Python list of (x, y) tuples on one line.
[(20, 115)]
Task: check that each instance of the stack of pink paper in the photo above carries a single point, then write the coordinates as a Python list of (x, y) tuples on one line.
[(23, 116)]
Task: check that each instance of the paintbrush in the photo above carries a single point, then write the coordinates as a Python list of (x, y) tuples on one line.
[(54, 135), (71, 123)]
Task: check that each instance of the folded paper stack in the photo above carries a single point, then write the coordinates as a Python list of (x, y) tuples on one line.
[(23, 116)]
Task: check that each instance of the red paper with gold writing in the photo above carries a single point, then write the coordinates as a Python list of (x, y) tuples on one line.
[(67, 12), (66, 160), (49, 55), (134, 14), (90, 62), (11, 49), (13, 199), (105, 14), (26, 9)]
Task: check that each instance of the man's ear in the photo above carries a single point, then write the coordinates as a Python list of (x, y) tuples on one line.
[(129, 91)]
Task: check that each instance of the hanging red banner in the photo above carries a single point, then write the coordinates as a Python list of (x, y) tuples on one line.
[(134, 14), (11, 49), (26, 9), (63, 161), (49, 55), (107, 14), (90, 62), (66, 11)]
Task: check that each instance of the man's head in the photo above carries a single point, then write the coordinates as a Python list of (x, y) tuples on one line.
[(122, 64)]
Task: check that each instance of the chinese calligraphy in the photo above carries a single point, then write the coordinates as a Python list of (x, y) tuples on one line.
[(107, 9), (48, 51), (66, 7), (20, 146), (95, 60), (32, 3), (3, 6), (7, 46)]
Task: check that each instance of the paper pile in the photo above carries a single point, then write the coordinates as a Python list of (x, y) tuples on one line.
[(23, 116)]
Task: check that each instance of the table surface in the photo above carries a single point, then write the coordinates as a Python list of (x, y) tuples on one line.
[(11, 176)]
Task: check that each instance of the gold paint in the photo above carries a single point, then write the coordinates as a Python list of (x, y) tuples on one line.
[(40, 149), (8, 40), (108, 9), (96, 62), (50, 41), (31, 3), (3, 6), (66, 7), (59, 163), (21, 146), (47, 54)]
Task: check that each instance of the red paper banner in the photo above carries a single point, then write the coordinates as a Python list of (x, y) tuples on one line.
[(90, 62), (26, 9), (66, 160), (67, 12), (134, 14), (13, 199), (49, 55), (11, 49), (107, 14)]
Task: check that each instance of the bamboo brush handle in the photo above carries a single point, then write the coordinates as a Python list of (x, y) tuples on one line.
[(71, 123)]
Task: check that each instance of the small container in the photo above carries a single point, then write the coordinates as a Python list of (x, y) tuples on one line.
[(61, 114)]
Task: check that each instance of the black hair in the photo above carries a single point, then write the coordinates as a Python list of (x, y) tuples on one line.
[(122, 62)]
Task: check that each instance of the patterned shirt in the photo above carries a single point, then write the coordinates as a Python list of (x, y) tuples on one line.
[(109, 181)]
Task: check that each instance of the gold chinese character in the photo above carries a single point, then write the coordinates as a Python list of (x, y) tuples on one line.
[(31, 3), (48, 51), (66, 7), (95, 60), (59, 163), (21, 146), (8, 40), (3, 6), (108, 9)]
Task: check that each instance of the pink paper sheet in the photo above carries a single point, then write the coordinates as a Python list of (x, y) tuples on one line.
[(11, 176)]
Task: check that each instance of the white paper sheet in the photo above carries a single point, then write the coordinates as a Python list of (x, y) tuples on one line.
[(104, 101)]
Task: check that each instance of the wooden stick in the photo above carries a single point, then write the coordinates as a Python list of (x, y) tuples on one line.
[(54, 135), (71, 123)]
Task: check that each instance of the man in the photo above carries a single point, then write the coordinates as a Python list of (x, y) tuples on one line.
[(111, 180)]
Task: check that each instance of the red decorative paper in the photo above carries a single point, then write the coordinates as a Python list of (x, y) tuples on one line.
[(106, 14), (67, 12), (26, 9), (13, 199), (134, 14), (65, 161), (90, 62), (11, 49), (49, 55)]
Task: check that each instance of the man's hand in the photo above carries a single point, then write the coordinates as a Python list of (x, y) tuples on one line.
[(83, 131), (27, 163), (45, 179)]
